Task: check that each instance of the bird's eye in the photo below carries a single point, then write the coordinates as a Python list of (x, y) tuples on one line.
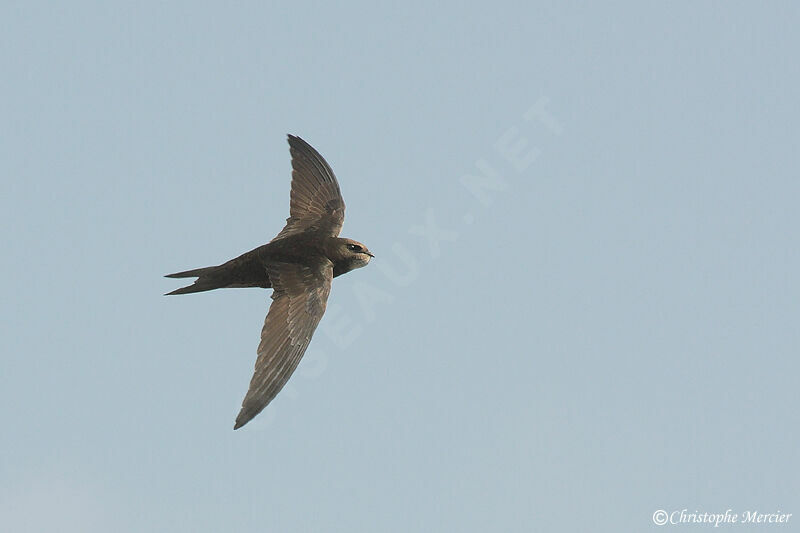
[(354, 247)]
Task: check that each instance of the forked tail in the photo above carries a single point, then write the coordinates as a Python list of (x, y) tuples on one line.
[(206, 280)]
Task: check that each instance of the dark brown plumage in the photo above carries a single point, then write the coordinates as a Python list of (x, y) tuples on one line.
[(298, 264)]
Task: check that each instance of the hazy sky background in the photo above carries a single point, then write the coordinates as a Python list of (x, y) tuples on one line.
[(609, 329)]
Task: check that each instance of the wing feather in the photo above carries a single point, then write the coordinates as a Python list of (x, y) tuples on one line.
[(299, 301), (316, 202)]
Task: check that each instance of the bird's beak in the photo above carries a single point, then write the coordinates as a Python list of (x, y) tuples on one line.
[(370, 254)]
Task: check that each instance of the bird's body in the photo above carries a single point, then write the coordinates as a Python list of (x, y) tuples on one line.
[(298, 264), (249, 269)]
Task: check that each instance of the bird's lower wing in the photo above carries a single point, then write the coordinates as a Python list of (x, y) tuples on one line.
[(299, 300)]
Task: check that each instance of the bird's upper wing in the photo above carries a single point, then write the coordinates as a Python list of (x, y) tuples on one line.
[(316, 201), (299, 299)]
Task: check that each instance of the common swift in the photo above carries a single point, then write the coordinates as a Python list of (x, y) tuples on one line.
[(299, 265)]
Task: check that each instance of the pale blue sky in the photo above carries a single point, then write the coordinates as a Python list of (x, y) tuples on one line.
[(608, 327)]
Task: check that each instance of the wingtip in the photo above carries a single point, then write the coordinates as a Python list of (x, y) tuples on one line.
[(297, 142), (241, 419)]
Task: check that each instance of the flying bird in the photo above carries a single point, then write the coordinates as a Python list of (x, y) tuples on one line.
[(299, 265)]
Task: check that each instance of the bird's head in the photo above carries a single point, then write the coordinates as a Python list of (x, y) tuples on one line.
[(350, 254), (356, 252)]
